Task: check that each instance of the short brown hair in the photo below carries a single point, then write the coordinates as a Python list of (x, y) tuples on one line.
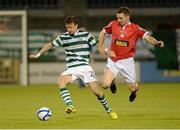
[(124, 10), (71, 19)]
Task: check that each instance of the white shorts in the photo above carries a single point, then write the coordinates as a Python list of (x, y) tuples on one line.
[(85, 73), (126, 67)]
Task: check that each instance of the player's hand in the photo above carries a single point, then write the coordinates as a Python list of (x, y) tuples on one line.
[(111, 54), (161, 43), (33, 56), (101, 51)]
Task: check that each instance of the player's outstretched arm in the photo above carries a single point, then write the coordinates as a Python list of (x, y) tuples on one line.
[(45, 48), (101, 42), (153, 41)]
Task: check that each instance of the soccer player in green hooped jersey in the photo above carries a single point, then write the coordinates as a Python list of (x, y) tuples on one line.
[(77, 46)]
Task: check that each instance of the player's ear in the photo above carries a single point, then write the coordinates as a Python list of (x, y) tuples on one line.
[(127, 16)]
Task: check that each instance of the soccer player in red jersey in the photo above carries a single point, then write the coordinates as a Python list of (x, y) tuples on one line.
[(122, 50)]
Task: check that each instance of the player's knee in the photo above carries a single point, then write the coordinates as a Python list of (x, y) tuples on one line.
[(59, 84), (106, 84), (98, 93), (105, 87), (62, 82)]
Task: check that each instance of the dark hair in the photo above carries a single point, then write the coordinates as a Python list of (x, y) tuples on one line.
[(71, 19), (124, 10)]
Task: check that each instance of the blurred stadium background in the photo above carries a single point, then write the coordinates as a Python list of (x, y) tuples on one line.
[(25, 25)]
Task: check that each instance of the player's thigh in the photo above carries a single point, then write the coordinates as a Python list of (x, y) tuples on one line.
[(64, 80), (69, 74), (127, 70), (88, 75), (108, 76)]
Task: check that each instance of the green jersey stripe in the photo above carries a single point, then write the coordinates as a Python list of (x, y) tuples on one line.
[(65, 38), (78, 65), (73, 60), (58, 42), (77, 62), (77, 59), (74, 43), (81, 35), (93, 42), (90, 39), (74, 55), (79, 49)]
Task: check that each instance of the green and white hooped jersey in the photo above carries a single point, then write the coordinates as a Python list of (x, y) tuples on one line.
[(77, 47)]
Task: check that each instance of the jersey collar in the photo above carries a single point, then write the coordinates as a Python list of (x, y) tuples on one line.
[(126, 25), (74, 33)]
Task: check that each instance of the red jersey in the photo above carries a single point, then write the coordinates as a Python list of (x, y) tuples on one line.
[(124, 38)]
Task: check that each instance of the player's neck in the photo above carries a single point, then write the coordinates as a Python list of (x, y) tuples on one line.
[(124, 26), (128, 23)]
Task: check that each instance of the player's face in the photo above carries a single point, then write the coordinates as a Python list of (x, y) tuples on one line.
[(122, 19), (71, 28)]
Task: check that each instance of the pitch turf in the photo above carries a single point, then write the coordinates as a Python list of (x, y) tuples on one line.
[(157, 106)]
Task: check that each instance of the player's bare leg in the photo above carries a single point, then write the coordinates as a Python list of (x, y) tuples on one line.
[(109, 80), (133, 88)]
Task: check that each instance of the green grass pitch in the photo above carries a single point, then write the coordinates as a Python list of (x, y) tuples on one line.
[(157, 107)]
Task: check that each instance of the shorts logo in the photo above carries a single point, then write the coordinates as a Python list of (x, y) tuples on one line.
[(92, 74), (121, 43)]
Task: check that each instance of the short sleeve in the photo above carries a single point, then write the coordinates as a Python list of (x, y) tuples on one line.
[(108, 28), (142, 32), (91, 39), (57, 41)]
